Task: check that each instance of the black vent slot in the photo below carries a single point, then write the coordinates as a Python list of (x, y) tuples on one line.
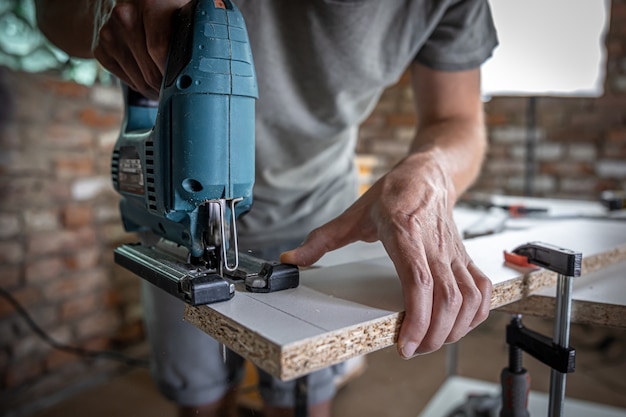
[(115, 169), (150, 187)]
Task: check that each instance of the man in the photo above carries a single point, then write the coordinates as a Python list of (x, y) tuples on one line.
[(321, 66)]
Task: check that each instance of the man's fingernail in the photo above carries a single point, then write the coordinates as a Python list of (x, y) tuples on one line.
[(408, 350)]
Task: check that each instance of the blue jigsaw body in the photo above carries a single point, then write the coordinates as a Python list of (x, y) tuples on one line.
[(185, 166), (198, 146)]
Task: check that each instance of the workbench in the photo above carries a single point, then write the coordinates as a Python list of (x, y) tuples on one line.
[(350, 303)]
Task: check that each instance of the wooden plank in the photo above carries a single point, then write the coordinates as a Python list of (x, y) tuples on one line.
[(345, 309), (598, 298)]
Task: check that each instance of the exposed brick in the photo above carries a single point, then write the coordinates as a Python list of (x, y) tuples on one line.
[(11, 252), (41, 220), (10, 276), (29, 346), (98, 118), (75, 216), (517, 152), (19, 193), (107, 139), (9, 136), (595, 118), (110, 98), (135, 312), (496, 119), (619, 83), (497, 151), (88, 188), (388, 102), (575, 134), (9, 225), (23, 371), (617, 134), (617, 151), (566, 168), (611, 168), (66, 112), (610, 102), (10, 327), (107, 213), (58, 358), (545, 184), (582, 152), (41, 270), (24, 109), (62, 136), (114, 234), (72, 166), (82, 259), (4, 359), (507, 105), (129, 286), (46, 315), (577, 186), (75, 285), (74, 308), (62, 288), (508, 134), (122, 278), (25, 296), (102, 168), (373, 120), (65, 88), (60, 242), (391, 148), (542, 184), (549, 151), (112, 298), (129, 334), (504, 167), (404, 134), (15, 162), (402, 119), (62, 335), (98, 324)]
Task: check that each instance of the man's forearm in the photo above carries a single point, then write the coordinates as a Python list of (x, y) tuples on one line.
[(68, 24), (451, 130), (461, 159)]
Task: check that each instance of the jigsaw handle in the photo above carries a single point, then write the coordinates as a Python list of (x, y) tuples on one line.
[(198, 144)]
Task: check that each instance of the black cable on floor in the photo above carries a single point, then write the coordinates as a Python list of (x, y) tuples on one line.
[(86, 353)]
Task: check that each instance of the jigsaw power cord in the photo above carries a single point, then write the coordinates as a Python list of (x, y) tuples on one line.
[(85, 353)]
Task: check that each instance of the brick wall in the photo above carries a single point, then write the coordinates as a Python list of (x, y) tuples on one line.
[(581, 148), (59, 220), (58, 224)]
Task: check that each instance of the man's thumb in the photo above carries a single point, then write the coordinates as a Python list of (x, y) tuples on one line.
[(306, 254)]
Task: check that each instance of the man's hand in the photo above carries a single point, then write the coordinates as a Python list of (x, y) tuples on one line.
[(408, 210), (133, 44)]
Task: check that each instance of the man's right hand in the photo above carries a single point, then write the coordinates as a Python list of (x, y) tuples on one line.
[(133, 43)]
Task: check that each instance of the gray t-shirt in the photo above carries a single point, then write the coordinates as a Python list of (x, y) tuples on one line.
[(321, 66)]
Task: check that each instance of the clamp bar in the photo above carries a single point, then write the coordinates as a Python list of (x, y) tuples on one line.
[(567, 264), (561, 339)]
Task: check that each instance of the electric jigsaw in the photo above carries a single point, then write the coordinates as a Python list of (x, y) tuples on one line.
[(184, 165)]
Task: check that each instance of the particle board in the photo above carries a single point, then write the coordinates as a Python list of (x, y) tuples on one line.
[(350, 304), (598, 298)]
